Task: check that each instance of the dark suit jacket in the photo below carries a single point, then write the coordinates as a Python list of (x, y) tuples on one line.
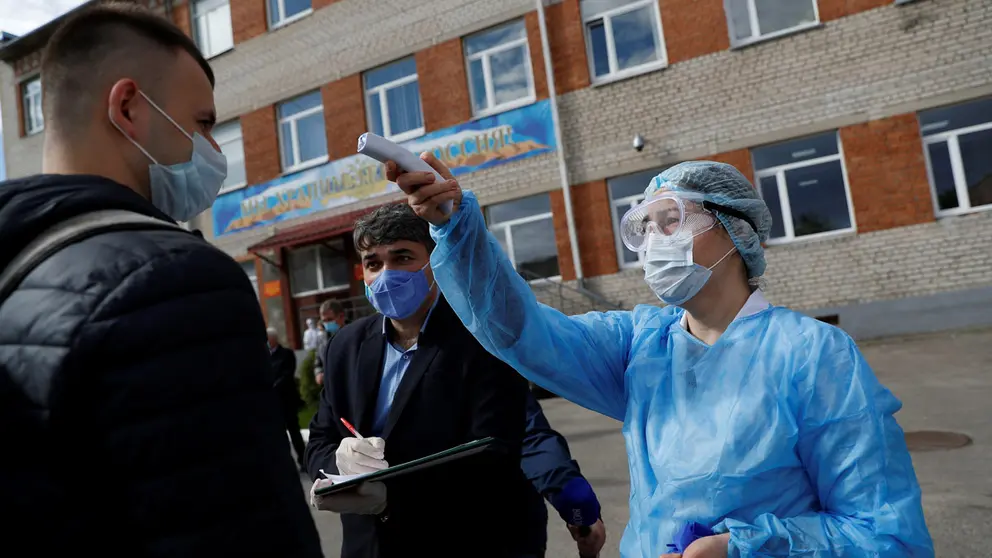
[(453, 392), (284, 369)]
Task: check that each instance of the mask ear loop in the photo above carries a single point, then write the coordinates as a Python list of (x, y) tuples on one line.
[(718, 262), (113, 123)]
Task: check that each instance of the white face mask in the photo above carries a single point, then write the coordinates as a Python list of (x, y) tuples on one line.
[(671, 273), (184, 190)]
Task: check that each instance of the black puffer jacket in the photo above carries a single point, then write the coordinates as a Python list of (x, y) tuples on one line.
[(136, 411)]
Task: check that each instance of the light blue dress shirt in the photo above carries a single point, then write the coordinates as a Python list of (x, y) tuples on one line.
[(394, 365)]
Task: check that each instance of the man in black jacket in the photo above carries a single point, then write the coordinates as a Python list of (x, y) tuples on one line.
[(137, 416), (413, 381), (283, 363)]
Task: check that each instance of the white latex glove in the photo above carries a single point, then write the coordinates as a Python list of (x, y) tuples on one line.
[(359, 456), (368, 498)]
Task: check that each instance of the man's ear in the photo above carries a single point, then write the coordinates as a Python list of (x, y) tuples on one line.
[(123, 109)]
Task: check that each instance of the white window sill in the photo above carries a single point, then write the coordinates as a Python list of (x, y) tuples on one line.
[(30, 133), (630, 266), (230, 189), (812, 237), (505, 107), (743, 43), (407, 135), (305, 165), (629, 73), (334, 289), (220, 53), (901, 2), (553, 279), (291, 19), (957, 212)]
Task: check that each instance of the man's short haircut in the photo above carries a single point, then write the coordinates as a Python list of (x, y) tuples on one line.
[(102, 44), (389, 224), (331, 306)]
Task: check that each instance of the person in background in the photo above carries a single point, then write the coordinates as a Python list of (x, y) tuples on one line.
[(413, 375), (135, 386), (332, 319), (313, 336), (547, 463), (763, 427), (284, 371)]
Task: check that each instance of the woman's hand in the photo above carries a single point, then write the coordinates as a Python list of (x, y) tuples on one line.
[(707, 547)]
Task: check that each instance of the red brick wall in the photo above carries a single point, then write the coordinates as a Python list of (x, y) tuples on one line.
[(593, 227), (261, 141), (835, 9), (887, 173), (443, 85), (693, 28), (182, 18), (536, 55), (740, 159), (568, 46), (344, 115), (248, 19)]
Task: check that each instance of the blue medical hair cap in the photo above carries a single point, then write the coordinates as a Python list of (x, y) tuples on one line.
[(724, 185)]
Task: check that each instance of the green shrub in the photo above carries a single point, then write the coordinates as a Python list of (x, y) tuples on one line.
[(309, 390)]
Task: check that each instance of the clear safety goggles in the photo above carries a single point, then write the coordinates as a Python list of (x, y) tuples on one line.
[(672, 217)]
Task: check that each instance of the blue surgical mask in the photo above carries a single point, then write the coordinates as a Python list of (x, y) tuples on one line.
[(184, 190), (671, 273), (398, 294), (331, 327)]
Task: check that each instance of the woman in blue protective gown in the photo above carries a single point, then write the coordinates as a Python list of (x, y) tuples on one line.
[(764, 425)]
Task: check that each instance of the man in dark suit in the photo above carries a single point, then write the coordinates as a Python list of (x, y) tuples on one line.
[(413, 381), (283, 363)]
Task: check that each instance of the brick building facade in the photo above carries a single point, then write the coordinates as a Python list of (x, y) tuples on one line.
[(865, 124)]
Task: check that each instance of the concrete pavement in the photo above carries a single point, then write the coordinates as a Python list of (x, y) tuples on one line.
[(945, 383)]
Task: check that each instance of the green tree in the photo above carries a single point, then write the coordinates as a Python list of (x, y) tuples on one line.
[(309, 390)]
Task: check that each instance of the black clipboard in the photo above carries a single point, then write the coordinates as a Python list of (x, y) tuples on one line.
[(453, 454)]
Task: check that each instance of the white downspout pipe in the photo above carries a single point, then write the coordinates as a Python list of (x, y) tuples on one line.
[(573, 239)]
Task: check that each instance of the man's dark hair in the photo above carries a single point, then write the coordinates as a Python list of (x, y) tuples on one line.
[(389, 224), (331, 306), (101, 44)]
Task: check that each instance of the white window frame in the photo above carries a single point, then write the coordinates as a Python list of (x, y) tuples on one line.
[(221, 144), (627, 202), (384, 106), (292, 120), (487, 76), (29, 101), (611, 47), (957, 169), (321, 288), (756, 36), (281, 20), (200, 12), (507, 226), (783, 196)]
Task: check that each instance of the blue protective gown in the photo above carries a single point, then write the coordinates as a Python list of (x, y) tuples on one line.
[(779, 433)]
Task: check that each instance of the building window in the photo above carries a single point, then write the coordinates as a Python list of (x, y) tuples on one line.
[(318, 269), (625, 192), (212, 26), (499, 70), (623, 37), (228, 137), (392, 100), (282, 12), (804, 184), (754, 20), (34, 120), (958, 144), (302, 138), (526, 231)]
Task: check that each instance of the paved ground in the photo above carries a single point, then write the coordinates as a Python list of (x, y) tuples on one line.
[(945, 383)]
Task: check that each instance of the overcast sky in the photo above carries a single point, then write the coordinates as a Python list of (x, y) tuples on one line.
[(21, 16)]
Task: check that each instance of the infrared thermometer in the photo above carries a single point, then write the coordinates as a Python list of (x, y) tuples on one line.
[(382, 150)]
